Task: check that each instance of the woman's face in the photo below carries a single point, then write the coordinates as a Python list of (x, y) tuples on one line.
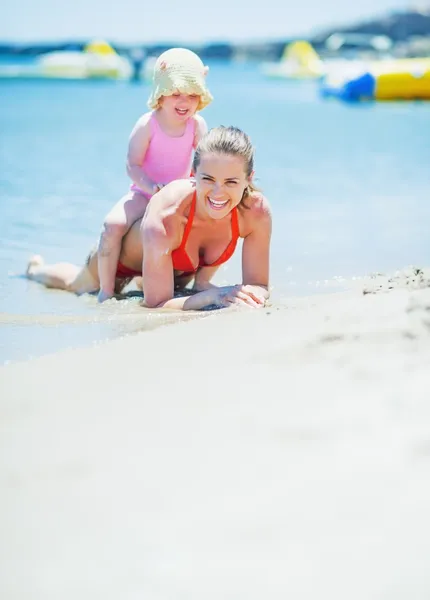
[(221, 180)]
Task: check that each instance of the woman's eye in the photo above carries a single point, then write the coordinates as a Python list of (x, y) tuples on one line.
[(231, 183)]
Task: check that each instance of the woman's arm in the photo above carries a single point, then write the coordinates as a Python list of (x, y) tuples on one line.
[(157, 269), (202, 280), (137, 147), (161, 231), (215, 296), (158, 275), (256, 248)]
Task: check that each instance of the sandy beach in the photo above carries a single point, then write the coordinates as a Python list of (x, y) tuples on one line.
[(279, 453)]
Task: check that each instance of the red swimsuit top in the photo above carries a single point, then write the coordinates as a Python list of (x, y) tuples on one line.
[(180, 258)]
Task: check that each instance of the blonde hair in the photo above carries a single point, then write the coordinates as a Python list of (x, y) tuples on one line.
[(231, 141)]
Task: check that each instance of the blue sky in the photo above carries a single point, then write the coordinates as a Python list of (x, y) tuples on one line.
[(175, 20)]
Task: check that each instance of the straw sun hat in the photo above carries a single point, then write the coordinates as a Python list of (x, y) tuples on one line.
[(182, 70)]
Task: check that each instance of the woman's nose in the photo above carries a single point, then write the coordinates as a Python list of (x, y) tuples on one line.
[(218, 189)]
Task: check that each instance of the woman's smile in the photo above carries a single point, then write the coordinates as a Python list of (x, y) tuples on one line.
[(217, 204)]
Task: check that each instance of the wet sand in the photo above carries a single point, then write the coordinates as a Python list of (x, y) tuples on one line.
[(279, 453)]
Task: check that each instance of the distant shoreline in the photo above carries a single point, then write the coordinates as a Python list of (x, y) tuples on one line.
[(409, 32)]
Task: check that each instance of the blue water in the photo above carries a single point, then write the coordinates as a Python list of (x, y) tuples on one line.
[(349, 187)]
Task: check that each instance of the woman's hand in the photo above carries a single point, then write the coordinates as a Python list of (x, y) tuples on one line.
[(253, 296), (242, 295)]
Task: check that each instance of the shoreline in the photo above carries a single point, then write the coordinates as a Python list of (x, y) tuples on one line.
[(271, 452)]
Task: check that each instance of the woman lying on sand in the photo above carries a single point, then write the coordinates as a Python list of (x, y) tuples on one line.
[(190, 228)]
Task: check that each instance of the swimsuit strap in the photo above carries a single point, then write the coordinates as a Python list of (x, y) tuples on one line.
[(189, 222), (235, 224)]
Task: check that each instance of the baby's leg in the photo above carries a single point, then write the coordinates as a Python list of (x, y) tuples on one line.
[(61, 276), (130, 208)]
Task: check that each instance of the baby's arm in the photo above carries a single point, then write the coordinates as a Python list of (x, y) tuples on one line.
[(137, 147), (200, 130)]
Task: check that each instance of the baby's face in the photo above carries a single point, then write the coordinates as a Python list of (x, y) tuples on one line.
[(180, 106)]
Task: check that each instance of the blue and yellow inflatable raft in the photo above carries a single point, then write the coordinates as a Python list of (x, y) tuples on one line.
[(401, 79)]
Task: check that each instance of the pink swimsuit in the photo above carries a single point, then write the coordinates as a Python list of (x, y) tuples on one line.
[(168, 158)]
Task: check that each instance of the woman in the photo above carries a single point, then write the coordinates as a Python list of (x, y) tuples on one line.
[(190, 228)]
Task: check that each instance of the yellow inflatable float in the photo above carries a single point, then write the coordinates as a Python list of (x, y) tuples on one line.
[(98, 60), (299, 61)]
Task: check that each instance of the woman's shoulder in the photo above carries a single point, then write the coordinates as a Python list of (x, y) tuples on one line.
[(255, 213), (256, 205), (170, 204), (176, 193)]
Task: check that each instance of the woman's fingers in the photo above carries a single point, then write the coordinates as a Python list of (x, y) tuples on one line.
[(239, 297), (247, 299), (256, 294)]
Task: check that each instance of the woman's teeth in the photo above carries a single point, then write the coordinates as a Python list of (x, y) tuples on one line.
[(217, 204)]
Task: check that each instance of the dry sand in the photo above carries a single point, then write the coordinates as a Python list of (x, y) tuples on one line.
[(280, 453)]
